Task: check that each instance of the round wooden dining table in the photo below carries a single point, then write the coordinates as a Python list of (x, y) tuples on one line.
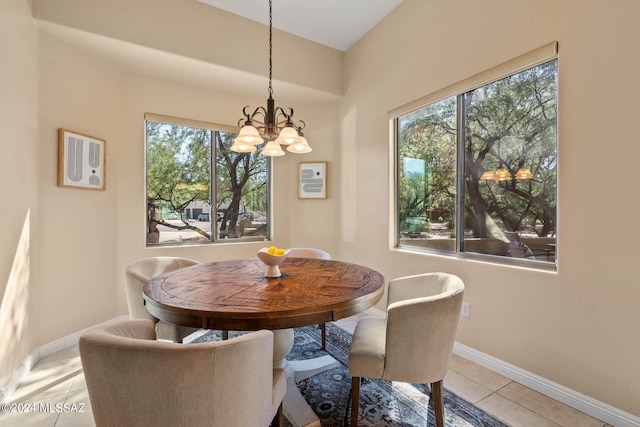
[(236, 296)]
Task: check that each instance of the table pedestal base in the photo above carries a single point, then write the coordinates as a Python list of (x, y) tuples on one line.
[(295, 408)]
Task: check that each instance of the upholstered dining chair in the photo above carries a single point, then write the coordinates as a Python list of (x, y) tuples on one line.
[(414, 342), (135, 380), (318, 254), (309, 253), (137, 274)]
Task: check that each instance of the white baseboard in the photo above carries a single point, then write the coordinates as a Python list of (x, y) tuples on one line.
[(70, 340), (46, 350), (572, 398)]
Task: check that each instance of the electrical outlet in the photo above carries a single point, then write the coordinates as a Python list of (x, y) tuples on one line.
[(465, 309)]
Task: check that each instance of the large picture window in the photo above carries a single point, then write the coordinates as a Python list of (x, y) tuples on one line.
[(197, 189), (477, 171)]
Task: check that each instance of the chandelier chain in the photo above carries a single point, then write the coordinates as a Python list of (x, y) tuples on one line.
[(270, 48)]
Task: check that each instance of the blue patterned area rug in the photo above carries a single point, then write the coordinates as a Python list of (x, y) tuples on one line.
[(382, 403)]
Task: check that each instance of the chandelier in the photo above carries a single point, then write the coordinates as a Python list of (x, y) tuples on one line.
[(273, 123)]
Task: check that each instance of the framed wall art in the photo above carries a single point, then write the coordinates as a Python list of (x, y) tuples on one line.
[(81, 161), (313, 181)]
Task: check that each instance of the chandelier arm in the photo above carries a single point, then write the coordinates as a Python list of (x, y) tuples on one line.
[(253, 117), (279, 112), (299, 128), (249, 118), (258, 124)]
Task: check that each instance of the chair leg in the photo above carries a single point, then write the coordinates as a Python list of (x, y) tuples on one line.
[(438, 402), (323, 329), (355, 400), (277, 420)]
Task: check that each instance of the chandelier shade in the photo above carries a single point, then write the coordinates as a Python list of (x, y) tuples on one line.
[(272, 149), (288, 135), (248, 135), (273, 123), (243, 147), (300, 147)]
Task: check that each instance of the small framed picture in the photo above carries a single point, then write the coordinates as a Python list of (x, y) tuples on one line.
[(81, 160), (313, 181)]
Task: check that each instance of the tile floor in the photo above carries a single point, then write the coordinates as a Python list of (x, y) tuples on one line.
[(58, 380)]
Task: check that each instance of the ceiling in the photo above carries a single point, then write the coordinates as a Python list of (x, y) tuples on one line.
[(334, 23)]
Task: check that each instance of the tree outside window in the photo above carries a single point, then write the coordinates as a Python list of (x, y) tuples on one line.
[(198, 190), (504, 137)]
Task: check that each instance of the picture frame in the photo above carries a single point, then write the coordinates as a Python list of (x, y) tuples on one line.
[(312, 183), (81, 161)]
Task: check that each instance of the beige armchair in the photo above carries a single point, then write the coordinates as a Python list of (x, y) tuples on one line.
[(139, 273), (318, 254), (134, 380), (414, 342)]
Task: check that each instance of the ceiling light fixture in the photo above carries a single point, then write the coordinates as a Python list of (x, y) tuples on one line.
[(275, 123)]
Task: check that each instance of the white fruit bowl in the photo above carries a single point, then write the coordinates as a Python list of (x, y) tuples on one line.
[(272, 262)]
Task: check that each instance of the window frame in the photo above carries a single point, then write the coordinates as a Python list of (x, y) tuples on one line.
[(213, 127), (457, 90)]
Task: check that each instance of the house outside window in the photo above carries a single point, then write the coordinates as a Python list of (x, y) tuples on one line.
[(476, 171), (198, 190)]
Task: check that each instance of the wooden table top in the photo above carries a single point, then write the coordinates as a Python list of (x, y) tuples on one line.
[(235, 295)]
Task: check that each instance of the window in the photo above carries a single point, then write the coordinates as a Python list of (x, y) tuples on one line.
[(197, 189), (477, 171)]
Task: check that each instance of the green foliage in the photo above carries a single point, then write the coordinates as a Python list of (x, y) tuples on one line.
[(179, 163), (241, 180), (428, 137), (510, 124), (178, 168)]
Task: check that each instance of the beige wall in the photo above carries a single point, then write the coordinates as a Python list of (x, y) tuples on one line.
[(577, 327), (18, 174), (75, 276)]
